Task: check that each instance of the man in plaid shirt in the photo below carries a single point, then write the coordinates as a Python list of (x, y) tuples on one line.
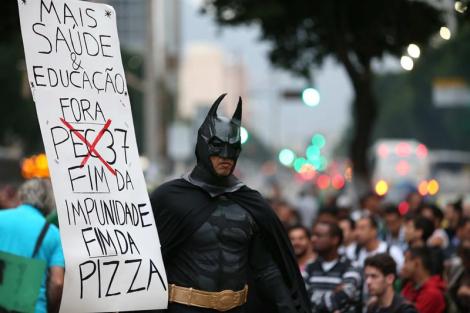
[(333, 284)]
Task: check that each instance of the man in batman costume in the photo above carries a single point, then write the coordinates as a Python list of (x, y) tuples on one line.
[(222, 244)]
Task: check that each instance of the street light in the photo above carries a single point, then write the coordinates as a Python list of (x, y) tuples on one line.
[(311, 97), (406, 63), (445, 33), (414, 51), (460, 7)]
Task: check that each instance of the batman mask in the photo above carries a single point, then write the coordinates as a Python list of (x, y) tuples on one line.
[(219, 136)]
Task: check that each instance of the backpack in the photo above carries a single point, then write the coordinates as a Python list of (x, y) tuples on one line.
[(21, 278)]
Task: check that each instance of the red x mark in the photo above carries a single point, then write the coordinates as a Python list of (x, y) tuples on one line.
[(91, 147)]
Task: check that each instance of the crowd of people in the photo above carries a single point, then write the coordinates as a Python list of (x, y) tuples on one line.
[(376, 259), (409, 257)]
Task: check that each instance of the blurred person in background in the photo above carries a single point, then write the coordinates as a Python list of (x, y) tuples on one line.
[(418, 230), (8, 197), (20, 227), (327, 215), (307, 207), (369, 243), (459, 282), (329, 200), (395, 234), (462, 239), (453, 213), (333, 284), (414, 200), (344, 205), (463, 231), (299, 236), (466, 207), (439, 237), (379, 274), (274, 192), (370, 202), (424, 287), (286, 214), (349, 246)]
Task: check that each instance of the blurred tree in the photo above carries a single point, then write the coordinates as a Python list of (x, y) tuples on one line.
[(353, 32), (18, 119), (9, 21), (413, 107)]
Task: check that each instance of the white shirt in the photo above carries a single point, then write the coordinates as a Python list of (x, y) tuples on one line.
[(439, 232), (348, 251), (327, 266), (393, 251)]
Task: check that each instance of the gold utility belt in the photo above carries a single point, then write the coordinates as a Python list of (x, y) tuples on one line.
[(221, 301)]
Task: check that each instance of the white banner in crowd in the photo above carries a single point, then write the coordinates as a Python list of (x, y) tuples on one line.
[(110, 242)]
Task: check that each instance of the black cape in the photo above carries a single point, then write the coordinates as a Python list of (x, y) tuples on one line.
[(180, 208)]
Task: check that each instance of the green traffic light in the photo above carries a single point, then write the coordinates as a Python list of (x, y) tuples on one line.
[(312, 153), (286, 157), (318, 140), (299, 163), (244, 135), (322, 164)]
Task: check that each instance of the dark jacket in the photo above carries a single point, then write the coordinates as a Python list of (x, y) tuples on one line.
[(399, 305)]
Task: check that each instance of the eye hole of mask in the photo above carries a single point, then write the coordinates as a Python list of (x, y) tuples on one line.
[(235, 146), (217, 142)]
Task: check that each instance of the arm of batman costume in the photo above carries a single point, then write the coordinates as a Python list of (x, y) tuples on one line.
[(275, 245), (268, 278)]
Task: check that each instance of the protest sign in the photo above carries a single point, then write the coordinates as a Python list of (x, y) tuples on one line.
[(110, 242)]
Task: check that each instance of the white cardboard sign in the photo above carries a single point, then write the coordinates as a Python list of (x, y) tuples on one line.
[(110, 242)]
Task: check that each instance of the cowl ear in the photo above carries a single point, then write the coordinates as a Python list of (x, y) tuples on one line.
[(213, 110), (237, 116)]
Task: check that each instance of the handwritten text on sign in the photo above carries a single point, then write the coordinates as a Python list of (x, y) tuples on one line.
[(110, 242)]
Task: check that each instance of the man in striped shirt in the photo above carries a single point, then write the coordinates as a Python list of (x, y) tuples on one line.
[(333, 284)]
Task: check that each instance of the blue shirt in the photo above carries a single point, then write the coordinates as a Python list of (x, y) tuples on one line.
[(19, 229)]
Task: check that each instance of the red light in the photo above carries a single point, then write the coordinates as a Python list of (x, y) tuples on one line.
[(382, 151), (403, 149), (307, 175), (403, 207), (323, 181), (307, 172), (421, 151), (337, 182), (402, 168)]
